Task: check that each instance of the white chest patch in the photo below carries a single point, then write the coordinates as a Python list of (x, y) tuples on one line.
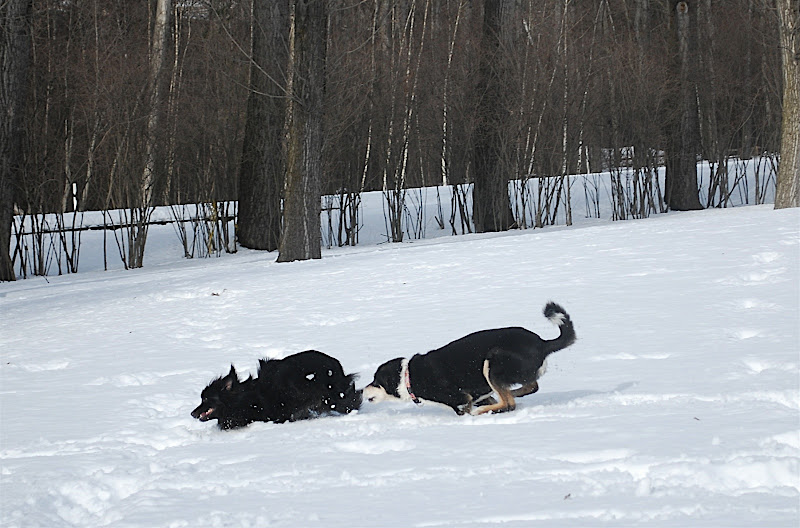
[(542, 370), (402, 385)]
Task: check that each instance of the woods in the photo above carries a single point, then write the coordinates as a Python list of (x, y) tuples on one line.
[(14, 60), (268, 106)]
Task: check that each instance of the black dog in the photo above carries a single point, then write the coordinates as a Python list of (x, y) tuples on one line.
[(231, 402), (469, 370), (304, 385), (301, 386)]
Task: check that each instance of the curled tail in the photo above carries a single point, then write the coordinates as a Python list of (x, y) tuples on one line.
[(559, 317)]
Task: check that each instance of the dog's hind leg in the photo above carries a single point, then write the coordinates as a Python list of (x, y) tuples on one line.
[(505, 404), (505, 397), (530, 388), (487, 400), (516, 393)]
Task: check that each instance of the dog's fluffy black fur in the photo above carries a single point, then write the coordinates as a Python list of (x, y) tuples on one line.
[(301, 386), (231, 402), (506, 362)]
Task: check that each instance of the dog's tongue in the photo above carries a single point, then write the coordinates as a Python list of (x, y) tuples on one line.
[(204, 416)]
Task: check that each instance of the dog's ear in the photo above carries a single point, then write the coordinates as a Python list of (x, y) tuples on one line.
[(232, 379), (262, 366)]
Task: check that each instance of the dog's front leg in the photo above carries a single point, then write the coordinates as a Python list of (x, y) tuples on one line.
[(464, 407)]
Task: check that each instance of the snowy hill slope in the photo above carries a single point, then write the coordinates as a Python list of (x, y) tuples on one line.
[(678, 406)]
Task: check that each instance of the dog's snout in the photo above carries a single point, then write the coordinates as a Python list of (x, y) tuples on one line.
[(373, 393)]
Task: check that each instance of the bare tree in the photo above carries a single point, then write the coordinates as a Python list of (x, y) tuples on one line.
[(410, 99), (491, 204), (445, 125), (301, 213), (351, 78), (14, 59), (401, 40), (262, 169), (682, 176), (787, 193), (141, 211)]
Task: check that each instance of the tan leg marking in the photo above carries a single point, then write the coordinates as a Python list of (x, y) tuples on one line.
[(506, 398)]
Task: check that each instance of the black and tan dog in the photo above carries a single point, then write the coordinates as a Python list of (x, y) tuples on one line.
[(506, 362)]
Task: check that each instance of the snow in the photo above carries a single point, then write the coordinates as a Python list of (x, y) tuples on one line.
[(679, 405)]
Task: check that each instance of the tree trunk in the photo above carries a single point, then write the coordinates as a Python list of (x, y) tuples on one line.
[(491, 209), (141, 211), (682, 176), (158, 52), (301, 222), (14, 60), (714, 146), (787, 192), (445, 126), (746, 148), (263, 165)]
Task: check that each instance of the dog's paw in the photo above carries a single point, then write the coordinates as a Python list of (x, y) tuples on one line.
[(464, 408), (504, 409)]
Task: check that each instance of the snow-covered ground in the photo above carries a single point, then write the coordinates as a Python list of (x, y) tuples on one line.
[(678, 406)]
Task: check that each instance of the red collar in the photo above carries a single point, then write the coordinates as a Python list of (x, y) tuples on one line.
[(408, 387)]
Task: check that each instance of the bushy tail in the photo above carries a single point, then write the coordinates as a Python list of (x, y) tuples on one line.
[(559, 317), (351, 401)]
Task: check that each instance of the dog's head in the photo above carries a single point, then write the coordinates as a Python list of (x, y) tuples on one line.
[(386, 384), (213, 398)]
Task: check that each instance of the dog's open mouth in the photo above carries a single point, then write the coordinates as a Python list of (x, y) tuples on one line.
[(205, 415)]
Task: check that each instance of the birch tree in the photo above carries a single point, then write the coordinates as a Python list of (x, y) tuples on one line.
[(141, 211), (445, 125), (158, 53), (787, 193), (401, 42)]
